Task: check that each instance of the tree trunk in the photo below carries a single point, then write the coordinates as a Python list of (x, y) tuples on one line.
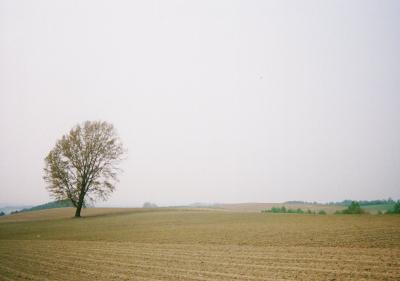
[(78, 210), (79, 205)]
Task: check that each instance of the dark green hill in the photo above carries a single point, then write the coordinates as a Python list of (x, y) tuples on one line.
[(49, 205)]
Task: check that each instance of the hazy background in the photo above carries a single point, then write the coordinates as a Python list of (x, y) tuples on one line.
[(216, 101)]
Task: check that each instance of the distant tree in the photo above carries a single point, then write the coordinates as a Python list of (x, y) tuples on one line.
[(353, 208), (83, 165), (149, 205), (395, 209), (2, 214)]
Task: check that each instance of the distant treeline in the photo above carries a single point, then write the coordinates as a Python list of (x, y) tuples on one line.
[(301, 202), (50, 205), (284, 210), (389, 201), (348, 202), (355, 208)]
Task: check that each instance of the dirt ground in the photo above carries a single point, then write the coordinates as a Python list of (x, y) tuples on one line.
[(201, 245)]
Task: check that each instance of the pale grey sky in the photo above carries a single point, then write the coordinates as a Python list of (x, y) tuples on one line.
[(216, 101)]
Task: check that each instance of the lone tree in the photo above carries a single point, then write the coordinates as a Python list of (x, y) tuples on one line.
[(83, 165)]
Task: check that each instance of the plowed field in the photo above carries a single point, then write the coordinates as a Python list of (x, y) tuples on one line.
[(201, 245)]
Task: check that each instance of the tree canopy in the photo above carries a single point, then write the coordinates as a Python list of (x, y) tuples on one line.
[(83, 165)]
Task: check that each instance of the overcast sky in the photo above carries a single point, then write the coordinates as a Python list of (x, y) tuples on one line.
[(216, 101)]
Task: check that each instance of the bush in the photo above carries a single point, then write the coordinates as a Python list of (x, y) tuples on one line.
[(395, 209), (354, 208), (276, 210), (321, 212), (283, 210)]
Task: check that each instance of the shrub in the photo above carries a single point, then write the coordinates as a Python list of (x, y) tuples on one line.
[(395, 209), (321, 212), (283, 210), (275, 210), (354, 208)]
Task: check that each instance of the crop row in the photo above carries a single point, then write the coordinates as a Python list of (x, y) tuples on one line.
[(63, 260)]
